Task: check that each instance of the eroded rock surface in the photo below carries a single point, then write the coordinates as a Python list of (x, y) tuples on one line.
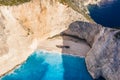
[(104, 57), (3, 37), (27, 27), (84, 30)]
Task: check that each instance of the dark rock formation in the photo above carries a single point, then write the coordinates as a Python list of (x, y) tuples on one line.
[(103, 59), (84, 30)]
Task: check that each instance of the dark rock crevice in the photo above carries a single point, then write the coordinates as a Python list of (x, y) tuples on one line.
[(100, 78), (75, 37)]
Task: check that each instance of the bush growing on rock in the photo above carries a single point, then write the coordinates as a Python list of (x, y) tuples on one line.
[(12, 2)]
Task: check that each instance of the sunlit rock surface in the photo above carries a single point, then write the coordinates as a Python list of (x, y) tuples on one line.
[(53, 26), (27, 27), (104, 57)]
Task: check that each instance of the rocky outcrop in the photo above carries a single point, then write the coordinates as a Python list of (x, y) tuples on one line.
[(104, 57), (84, 30)]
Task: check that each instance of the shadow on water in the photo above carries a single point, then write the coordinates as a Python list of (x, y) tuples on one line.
[(74, 67), (42, 65)]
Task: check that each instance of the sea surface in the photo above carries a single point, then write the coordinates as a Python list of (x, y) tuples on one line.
[(106, 14), (42, 65)]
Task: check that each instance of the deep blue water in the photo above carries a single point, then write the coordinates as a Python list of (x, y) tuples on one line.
[(43, 65), (107, 14)]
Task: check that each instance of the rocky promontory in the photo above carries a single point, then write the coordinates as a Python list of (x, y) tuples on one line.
[(103, 57)]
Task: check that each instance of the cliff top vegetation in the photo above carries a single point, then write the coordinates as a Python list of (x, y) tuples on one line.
[(12, 2)]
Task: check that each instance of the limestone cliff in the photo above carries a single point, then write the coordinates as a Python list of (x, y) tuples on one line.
[(30, 26), (63, 26), (103, 57)]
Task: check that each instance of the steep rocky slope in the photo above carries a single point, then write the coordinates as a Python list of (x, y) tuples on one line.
[(29, 26), (103, 59)]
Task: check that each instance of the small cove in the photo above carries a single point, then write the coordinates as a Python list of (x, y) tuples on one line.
[(42, 65)]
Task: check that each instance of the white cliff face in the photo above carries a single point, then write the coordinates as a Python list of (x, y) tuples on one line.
[(27, 27), (50, 25), (42, 17)]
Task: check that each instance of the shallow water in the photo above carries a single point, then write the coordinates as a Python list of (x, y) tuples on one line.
[(43, 65), (106, 14)]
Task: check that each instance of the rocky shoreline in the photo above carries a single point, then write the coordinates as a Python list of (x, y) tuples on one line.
[(52, 26)]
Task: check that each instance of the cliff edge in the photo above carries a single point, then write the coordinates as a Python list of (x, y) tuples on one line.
[(62, 26)]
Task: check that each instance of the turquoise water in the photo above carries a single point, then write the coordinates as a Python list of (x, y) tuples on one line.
[(43, 65), (106, 14)]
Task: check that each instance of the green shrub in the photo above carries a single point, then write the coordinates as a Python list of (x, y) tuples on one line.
[(12, 2), (78, 6)]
